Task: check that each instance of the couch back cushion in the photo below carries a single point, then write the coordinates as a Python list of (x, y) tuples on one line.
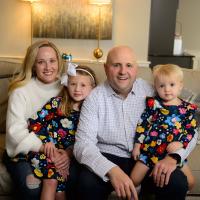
[(7, 69)]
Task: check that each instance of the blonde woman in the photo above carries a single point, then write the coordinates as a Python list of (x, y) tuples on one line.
[(37, 82)]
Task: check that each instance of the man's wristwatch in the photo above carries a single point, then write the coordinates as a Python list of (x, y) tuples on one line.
[(176, 157)]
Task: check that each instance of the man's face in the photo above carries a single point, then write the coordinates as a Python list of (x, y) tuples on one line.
[(121, 70)]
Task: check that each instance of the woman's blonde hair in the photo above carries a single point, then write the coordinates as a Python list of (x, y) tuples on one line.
[(67, 102), (167, 70), (27, 71)]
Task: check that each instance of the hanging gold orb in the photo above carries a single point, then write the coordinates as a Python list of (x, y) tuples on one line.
[(98, 53)]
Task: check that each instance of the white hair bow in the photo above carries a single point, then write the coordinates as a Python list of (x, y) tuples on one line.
[(71, 71)]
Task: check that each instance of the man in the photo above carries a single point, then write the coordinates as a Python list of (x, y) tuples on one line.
[(105, 136)]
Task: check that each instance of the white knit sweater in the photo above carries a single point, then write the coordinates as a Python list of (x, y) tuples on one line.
[(23, 103)]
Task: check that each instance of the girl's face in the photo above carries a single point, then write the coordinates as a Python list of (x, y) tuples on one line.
[(79, 87), (46, 65), (169, 88)]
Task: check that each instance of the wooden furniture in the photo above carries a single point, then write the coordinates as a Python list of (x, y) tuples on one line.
[(184, 60)]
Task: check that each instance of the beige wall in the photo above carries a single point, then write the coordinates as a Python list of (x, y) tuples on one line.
[(189, 16), (130, 27)]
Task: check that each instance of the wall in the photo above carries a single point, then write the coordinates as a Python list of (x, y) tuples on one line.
[(130, 27), (189, 15)]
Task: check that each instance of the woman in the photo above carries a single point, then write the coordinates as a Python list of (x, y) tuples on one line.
[(37, 82)]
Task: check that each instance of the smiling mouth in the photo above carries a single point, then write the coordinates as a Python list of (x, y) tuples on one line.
[(122, 78), (48, 73)]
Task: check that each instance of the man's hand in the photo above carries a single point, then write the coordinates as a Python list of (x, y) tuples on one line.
[(174, 146), (122, 184), (162, 171)]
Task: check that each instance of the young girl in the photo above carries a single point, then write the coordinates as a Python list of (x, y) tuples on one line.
[(166, 125), (55, 124)]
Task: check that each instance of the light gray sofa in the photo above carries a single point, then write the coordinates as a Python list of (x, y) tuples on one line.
[(7, 68)]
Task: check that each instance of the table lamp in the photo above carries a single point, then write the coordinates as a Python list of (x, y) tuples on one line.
[(98, 53), (31, 2)]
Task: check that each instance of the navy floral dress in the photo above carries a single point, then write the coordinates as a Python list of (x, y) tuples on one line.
[(50, 125), (161, 124)]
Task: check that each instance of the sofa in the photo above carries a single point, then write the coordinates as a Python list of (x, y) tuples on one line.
[(9, 67)]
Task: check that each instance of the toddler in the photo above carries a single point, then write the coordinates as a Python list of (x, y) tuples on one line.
[(166, 125)]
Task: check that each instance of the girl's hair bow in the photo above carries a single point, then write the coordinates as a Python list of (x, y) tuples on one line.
[(71, 71)]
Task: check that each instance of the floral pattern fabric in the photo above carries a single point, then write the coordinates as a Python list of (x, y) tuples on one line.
[(50, 125), (161, 124)]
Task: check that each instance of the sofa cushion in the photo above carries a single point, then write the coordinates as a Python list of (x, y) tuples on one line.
[(3, 102), (8, 67), (6, 184)]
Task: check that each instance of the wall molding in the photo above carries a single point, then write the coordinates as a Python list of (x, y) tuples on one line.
[(85, 61)]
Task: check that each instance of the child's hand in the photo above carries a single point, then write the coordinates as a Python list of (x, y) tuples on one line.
[(174, 146), (136, 151), (49, 150)]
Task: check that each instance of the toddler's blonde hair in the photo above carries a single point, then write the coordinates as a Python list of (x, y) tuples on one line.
[(167, 70)]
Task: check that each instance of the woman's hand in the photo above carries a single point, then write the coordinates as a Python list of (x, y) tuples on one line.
[(62, 161), (62, 158)]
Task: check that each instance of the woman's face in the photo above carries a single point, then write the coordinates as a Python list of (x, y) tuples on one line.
[(46, 65)]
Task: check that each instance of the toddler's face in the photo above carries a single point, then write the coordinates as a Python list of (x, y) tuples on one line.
[(168, 88), (79, 87)]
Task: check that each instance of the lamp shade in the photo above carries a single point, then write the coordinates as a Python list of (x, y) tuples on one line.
[(99, 2), (31, 0)]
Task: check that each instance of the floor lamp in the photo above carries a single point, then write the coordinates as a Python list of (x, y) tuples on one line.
[(98, 53), (31, 2)]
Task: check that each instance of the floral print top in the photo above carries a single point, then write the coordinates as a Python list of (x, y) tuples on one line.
[(161, 124), (50, 125)]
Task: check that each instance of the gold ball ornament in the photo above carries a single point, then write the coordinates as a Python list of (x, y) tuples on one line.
[(98, 53)]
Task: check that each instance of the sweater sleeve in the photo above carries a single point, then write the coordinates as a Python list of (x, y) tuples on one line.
[(18, 138)]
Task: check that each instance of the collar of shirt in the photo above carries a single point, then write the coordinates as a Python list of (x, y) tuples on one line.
[(111, 92)]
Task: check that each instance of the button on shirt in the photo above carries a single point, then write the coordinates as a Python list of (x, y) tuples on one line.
[(107, 124)]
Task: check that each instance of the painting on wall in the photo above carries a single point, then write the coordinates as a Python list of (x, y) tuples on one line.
[(71, 19)]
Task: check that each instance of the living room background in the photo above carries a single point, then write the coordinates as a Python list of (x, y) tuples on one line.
[(130, 27)]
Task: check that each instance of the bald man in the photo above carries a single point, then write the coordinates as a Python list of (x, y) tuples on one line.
[(106, 131)]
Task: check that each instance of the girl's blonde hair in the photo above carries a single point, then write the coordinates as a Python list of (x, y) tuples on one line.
[(67, 102), (27, 71), (167, 70)]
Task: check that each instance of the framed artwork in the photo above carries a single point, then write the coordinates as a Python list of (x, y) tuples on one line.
[(71, 19)]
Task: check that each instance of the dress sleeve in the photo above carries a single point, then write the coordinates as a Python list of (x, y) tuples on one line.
[(147, 117), (190, 125), (41, 121)]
